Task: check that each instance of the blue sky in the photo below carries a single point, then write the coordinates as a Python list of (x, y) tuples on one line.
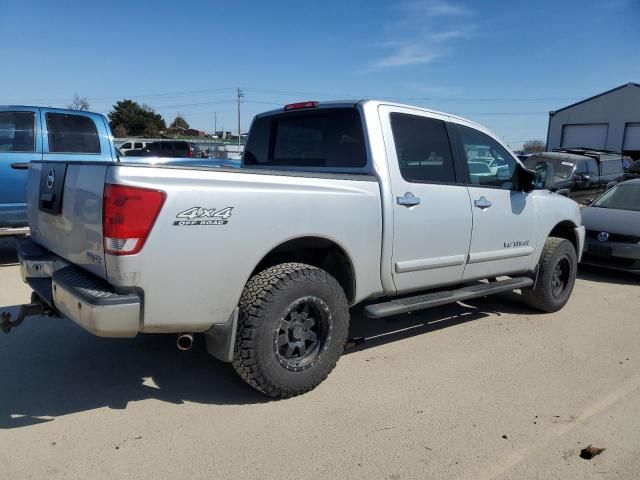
[(504, 64)]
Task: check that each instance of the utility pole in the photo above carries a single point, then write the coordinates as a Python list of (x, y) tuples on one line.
[(215, 123), (240, 97)]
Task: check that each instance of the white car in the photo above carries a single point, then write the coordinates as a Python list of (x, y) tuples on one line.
[(132, 145)]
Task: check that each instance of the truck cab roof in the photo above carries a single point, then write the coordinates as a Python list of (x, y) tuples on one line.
[(373, 102)]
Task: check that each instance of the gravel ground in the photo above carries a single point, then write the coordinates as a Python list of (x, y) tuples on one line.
[(485, 389)]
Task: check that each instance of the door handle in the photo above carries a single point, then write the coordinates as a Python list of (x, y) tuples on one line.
[(20, 166), (408, 200), (482, 203)]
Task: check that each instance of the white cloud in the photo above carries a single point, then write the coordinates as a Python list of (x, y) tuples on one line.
[(428, 28), (438, 8)]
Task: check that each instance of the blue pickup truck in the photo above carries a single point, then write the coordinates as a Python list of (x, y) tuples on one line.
[(52, 134)]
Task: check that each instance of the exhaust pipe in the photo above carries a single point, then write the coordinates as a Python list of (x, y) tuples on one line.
[(185, 341)]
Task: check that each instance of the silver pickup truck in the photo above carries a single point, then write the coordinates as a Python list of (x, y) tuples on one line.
[(336, 204)]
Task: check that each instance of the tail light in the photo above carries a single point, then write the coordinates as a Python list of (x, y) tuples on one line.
[(190, 151), (128, 216)]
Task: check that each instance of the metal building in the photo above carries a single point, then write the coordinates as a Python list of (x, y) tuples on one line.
[(608, 121)]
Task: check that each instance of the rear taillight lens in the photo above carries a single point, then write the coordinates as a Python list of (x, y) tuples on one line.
[(128, 216), (191, 152)]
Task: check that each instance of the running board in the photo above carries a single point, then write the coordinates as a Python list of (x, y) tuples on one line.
[(427, 300)]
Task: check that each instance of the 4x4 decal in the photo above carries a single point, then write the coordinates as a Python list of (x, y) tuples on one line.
[(203, 216)]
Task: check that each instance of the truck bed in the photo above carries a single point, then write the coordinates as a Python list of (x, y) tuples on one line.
[(187, 241)]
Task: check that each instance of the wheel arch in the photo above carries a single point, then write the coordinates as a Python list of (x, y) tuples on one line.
[(566, 229), (318, 251)]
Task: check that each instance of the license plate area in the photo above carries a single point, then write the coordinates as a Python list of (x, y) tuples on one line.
[(52, 178), (600, 250)]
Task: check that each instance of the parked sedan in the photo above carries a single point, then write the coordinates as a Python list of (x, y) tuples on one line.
[(613, 228)]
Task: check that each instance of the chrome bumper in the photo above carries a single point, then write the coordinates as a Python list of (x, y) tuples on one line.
[(14, 232), (79, 295)]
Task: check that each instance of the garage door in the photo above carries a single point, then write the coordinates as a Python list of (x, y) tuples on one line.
[(592, 135), (632, 137)]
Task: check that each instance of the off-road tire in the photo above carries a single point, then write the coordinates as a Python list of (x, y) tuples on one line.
[(264, 306), (544, 295)]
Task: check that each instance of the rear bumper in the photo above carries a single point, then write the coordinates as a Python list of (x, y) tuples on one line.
[(13, 231), (84, 298)]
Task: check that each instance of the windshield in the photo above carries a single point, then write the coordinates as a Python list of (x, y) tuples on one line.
[(621, 197), (561, 168)]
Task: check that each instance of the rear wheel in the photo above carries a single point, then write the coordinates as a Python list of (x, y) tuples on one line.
[(292, 327), (556, 276)]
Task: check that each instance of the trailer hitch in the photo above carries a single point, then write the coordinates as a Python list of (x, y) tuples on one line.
[(36, 308)]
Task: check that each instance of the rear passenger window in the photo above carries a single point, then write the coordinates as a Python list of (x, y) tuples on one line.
[(423, 149), (137, 145), (17, 132), (165, 147), (70, 133), (324, 138)]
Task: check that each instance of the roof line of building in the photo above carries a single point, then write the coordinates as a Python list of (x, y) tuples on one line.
[(630, 84)]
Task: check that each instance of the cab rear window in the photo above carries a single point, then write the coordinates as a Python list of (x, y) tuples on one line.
[(327, 138)]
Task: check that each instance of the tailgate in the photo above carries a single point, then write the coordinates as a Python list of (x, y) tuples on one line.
[(65, 211)]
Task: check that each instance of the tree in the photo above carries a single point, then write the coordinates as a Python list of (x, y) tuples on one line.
[(79, 103), (180, 122), (135, 119), (120, 131), (533, 146)]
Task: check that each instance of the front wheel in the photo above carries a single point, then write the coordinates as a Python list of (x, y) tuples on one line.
[(292, 327), (556, 276)]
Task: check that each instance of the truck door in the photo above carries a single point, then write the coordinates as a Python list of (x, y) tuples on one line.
[(20, 143), (505, 219), (431, 213), (586, 179)]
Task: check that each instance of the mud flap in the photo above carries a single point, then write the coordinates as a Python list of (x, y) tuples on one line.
[(221, 338)]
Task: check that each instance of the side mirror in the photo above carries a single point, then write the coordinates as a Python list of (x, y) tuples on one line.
[(581, 177), (609, 186), (587, 201), (527, 179)]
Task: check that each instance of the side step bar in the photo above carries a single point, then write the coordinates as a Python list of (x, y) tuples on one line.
[(427, 300)]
